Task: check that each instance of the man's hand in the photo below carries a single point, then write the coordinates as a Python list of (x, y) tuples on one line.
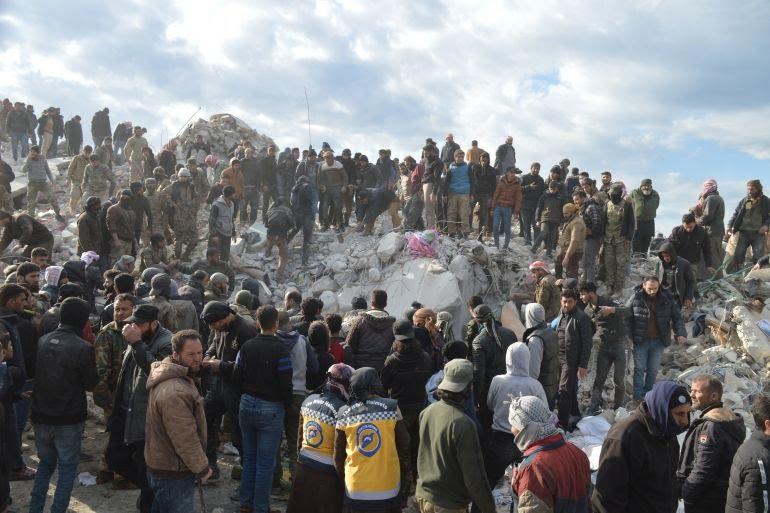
[(687, 303), (131, 333), (681, 340), (763, 229), (710, 270), (207, 476), (582, 373), (213, 364), (606, 310)]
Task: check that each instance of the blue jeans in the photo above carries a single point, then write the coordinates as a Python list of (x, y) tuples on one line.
[(647, 355), (57, 447), (19, 138), (172, 495), (261, 429), (502, 223)]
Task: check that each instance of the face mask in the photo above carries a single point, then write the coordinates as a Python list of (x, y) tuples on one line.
[(616, 197)]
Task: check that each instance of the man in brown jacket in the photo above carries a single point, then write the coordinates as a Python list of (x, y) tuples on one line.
[(234, 174), (175, 430), (571, 242), (120, 224), (506, 202)]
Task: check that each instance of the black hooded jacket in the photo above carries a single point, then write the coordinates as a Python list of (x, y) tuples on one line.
[(747, 491), (682, 285), (707, 452), (690, 245), (404, 376)]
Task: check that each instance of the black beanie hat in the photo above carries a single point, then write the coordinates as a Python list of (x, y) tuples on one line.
[(74, 312)]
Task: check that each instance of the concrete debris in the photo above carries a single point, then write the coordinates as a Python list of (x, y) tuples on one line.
[(389, 246), (223, 132)]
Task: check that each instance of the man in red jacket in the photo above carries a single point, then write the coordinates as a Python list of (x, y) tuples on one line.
[(554, 473)]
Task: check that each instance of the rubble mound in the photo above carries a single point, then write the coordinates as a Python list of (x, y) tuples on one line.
[(223, 132)]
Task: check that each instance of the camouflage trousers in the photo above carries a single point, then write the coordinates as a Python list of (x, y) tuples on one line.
[(185, 234), (76, 193), (615, 259), (35, 189)]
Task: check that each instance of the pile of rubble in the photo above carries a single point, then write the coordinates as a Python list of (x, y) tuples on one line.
[(223, 132)]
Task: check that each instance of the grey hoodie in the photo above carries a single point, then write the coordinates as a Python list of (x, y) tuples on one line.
[(303, 359), (534, 317), (515, 382)]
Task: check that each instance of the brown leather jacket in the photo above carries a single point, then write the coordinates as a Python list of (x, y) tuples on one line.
[(508, 194), (174, 402)]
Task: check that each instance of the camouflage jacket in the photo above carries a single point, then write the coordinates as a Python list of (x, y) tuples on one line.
[(109, 347)]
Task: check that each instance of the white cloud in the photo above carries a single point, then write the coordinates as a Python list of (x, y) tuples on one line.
[(626, 85)]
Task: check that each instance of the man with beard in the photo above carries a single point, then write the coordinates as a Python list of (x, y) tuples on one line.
[(28, 276), (349, 164), (250, 167), (710, 214), (505, 156), (141, 208), (268, 179), (708, 449), (750, 221), (619, 231), (121, 223), (646, 201), (309, 168), (228, 333), (571, 242), (73, 132), (184, 219), (574, 333), (606, 182), (109, 347), (304, 214), (548, 216), (176, 426), (594, 219), (167, 157), (100, 126), (147, 342)]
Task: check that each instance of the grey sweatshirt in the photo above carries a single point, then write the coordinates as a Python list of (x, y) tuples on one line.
[(37, 170)]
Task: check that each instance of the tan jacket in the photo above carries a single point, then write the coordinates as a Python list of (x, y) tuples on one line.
[(77, 169), (175, 429), (236, 180), (132, 151), (573, 236)]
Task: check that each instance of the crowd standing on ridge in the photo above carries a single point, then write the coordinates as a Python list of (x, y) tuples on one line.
[(377, 407)]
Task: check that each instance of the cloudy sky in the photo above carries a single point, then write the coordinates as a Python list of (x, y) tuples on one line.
[(677, 91)]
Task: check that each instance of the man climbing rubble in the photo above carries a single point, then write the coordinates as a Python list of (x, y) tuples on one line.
[(304, 214), (38, 178), (675, 275), (279, 222), (28, 231), (373, 202)]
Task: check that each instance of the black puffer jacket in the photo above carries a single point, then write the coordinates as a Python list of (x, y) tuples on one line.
[(667, 315), (690, 245), (746, 492), (404, 376), (488, 356), (369, 340), (575, 347), (483, 180), (707, 452), (595, 218)]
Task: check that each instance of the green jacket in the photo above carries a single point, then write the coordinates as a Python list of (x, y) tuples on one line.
[(645, 207), (449, 465)]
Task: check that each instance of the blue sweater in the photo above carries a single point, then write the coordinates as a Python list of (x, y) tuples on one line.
[(459, 178)]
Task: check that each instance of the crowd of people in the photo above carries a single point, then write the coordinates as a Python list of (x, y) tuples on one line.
[(371, 408)]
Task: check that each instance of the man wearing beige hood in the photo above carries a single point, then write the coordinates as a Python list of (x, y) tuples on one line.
[(175, 431)]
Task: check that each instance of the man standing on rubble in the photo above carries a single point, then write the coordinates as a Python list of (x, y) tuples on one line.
[(120, 223), (675, 275), (505, 156), (278, 223), (373, 202), (304, 216), (708, 449), (645, 200), (100, 126), (268, 180), (747, 491), (618, 233), (184, 218), (38, 176), (532, 187), (572, 241), (222, 222), (132, 152), (653, 315), (75, 174), (98, 180), (371, 337), (546, 290), (251, 180), (575, 336), (332, 183), (751, 221), (710, 214), (310, 169), (607, 319)]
